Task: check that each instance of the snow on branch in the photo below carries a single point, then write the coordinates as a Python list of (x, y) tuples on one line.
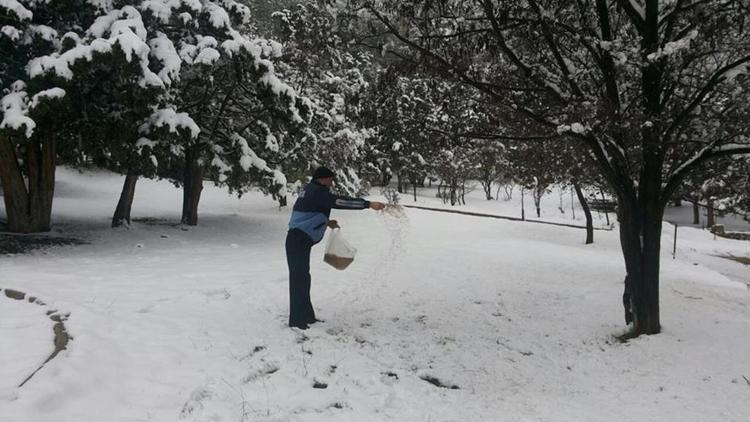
[(171, 119), (207, 56), (126, 30), (15, 108), (576, 128), (280, 89), (42, 31), (238, 8), (249, 158), (144, 142), (222, 167), (218, 16), (730, 149), (102, 5), (636, 11), (164, 10), (707, 152), (163, 50), (11, 32), (129, 17), (697, 157), (51, 93), (673, 47), (638, 8), (17, 8)]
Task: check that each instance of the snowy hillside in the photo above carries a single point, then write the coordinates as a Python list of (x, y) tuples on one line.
[(442, 317)]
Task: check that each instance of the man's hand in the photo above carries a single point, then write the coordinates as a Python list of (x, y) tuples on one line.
[(333, 224), (377, 206)]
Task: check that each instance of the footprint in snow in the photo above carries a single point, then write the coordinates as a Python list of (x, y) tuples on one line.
[(320, 384), (445, 340), (261, 369), (437, 382), (217, 294), (344, 337), (335, 331), (388, 377), (252, 353), (195, 403)]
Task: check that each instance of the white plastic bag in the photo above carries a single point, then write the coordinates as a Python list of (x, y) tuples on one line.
[(339, 253)]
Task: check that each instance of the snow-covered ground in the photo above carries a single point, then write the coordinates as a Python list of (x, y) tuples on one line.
[(174, 324)]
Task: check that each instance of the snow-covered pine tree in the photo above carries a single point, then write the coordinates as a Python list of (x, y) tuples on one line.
[(225, 81), (56, 50), (114, 101), (335, 76)]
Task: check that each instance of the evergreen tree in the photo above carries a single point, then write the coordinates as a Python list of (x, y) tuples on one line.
[(61, 54), (335, 77)]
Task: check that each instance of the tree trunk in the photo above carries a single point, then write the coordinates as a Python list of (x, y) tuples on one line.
[(643, 205), (508, 191), (414, 185), (710, 214), (587, 212), (640, 238), (386, 178), (399, 188), (192, 186), (487, 185), (604, 200), (696, 213), (523, 210), (572, 205), (537, 194), (28, 206), (122, 211)]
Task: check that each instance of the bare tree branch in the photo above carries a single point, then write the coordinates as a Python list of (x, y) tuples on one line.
[(701, 95), (705, 154), (550, 39), (634, 15)]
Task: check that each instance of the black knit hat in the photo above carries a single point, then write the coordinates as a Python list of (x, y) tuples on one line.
[(322, 172)]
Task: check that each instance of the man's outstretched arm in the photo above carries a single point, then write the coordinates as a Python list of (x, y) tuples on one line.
[(349, 203)]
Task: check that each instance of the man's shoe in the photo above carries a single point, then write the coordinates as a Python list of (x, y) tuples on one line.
[(316, 320), (303, 326)]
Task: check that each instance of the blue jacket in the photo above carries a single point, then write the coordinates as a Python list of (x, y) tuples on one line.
[(313, 208)]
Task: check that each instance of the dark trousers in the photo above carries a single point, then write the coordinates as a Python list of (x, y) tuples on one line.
[(298, 245)]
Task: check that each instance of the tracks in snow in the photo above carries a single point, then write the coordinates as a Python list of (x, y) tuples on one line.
[(61, 336)]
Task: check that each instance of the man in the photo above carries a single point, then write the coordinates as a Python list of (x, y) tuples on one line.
[(310, 216)]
